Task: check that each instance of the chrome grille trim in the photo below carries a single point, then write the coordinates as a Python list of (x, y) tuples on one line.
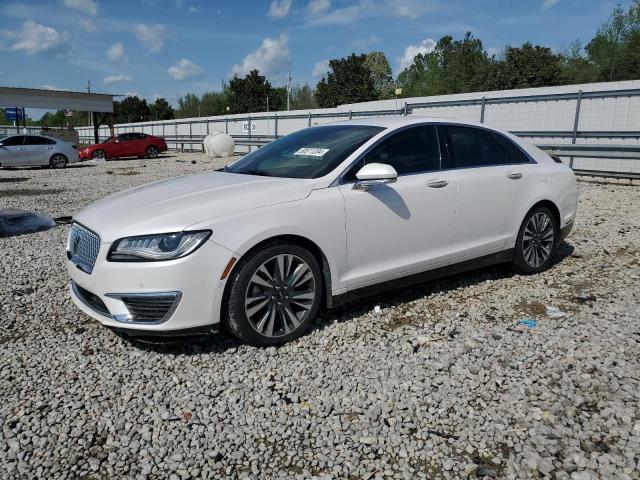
[(83, 246)]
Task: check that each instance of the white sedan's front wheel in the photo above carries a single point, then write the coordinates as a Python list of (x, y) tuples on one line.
[(275, 295)]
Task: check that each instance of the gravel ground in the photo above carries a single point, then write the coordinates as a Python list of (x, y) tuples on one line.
[(437, 383)]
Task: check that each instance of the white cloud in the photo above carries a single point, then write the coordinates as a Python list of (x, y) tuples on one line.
[(340, 16), (410, 9), (88, 7), (547, 4), (318, 7), (194, 9), (491, 51), (320, 69), (152, 37), (411, 51), (109, 79), (279, 8), (184, 69), (51, 87), (116, 53), (270, 58), (35, 38)]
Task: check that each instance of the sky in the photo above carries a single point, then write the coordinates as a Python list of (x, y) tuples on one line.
[(166, 48)]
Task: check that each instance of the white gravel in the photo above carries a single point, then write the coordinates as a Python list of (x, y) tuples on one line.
[(438, 384)]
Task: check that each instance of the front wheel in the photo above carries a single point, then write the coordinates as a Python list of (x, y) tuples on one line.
[(152, 152), (275, 295), (537, 241), (58, 161)]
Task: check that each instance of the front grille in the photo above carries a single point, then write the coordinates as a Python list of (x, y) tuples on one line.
[(83, 247), (91, 300), (149, 307)]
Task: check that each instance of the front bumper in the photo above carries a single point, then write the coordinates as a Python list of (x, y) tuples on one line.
[(195, 277)]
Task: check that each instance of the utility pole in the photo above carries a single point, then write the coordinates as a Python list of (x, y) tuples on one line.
[(288, 89), (89, 91)]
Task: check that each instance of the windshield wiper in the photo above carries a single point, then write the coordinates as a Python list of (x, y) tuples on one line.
[(255, 172)]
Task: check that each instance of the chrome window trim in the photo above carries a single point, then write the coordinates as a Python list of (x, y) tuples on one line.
[(339, 179)]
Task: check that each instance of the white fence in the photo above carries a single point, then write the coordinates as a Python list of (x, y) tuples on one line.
[(597, 113)]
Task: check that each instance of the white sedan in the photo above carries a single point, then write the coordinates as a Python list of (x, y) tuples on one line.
[(36, 150), (313, 219)]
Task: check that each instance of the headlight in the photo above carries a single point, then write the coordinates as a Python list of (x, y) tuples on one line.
[(150, 248)]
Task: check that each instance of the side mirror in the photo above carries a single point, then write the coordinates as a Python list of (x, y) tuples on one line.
[(375, 174)]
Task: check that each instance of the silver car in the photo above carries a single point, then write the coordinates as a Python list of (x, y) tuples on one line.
[(34, 150)]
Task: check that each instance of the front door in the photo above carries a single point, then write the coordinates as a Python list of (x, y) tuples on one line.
[(403, 227), (12, 152)]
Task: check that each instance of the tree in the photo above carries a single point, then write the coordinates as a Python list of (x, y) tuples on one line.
[(249, 94), (188, 106), (452, 67), (302, 98), (380, 70), (616, 47), (161, 110), (576, 67), (349, 81), (131, 109), (214, 103)]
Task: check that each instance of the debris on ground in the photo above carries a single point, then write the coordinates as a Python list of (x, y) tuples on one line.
[(554, 312), (15, 221)]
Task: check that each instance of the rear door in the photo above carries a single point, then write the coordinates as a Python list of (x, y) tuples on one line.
[(403, 227), (139, 143), (12, 152), (494, 187), (38, 150)]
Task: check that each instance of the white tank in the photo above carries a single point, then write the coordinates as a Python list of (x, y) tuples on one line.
[(218, 144)]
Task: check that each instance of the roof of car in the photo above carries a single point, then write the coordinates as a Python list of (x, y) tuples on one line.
[(400, 121)]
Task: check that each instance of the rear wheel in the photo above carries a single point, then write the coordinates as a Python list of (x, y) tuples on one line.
[(58, 160), (537, 241), (99, 155), (152, 152), (275, 295)]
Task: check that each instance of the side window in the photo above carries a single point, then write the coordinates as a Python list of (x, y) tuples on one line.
[(413, 150), (513, 153), (124, 137), (13, 141), (474, 147), (34, 140)]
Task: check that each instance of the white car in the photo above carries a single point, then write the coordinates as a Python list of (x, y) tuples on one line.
[(313, 219), (36, 150)]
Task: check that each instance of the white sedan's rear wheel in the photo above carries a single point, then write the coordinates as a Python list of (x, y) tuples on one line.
[(537, 241), (275, 295)]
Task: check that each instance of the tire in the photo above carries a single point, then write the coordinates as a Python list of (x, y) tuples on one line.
[(58, 160), (99, 155), (537, 241), (272, 315), (152, 152)]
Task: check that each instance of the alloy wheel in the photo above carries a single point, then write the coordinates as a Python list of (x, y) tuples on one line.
[(537, 240), (58, 161), (152, 152), (99, 155), (280, 295)]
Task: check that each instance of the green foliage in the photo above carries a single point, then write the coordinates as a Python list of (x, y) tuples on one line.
[(349, 81), (131, 109), (161, 110), (249, 94), (378, 66), (188, 106), (302, 98)]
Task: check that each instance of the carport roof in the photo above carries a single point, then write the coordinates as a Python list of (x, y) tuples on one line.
[(55, 99)]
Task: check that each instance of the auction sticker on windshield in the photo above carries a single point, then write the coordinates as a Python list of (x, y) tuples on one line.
[(312, 152)]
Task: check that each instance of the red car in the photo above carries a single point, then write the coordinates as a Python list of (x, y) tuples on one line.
[(125, 145)]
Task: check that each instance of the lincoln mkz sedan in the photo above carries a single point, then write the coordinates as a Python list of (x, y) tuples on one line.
[(313, 219)]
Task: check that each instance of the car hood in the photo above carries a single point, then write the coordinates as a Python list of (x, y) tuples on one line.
[(172, 205)]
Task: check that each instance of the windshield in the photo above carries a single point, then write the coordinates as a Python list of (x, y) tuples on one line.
[(309, 153)]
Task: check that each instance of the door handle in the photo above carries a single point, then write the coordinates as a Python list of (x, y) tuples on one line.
[(514, 175), (20, 148), (437, 183)]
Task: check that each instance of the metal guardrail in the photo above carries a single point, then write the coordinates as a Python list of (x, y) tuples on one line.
[(169, 129)]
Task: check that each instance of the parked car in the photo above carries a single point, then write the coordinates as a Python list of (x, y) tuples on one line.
[(34, 150), (126, 145), (316, 218)]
